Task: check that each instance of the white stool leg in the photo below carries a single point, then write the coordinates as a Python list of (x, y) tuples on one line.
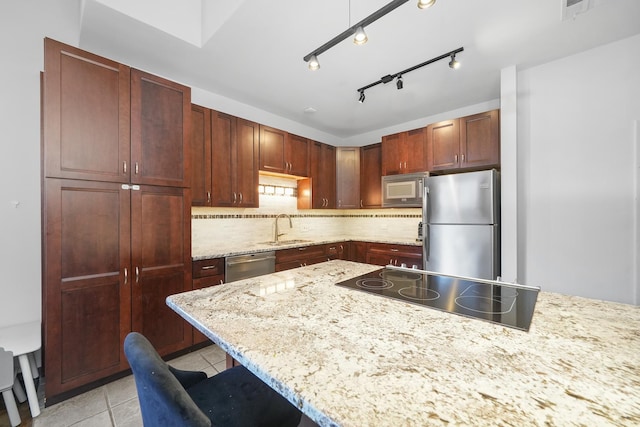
[(12, 409), (29, 385), (19, 391), (34, 366)]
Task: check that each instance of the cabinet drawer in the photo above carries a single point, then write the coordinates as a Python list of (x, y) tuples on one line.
[(208, 267), (302, 253), (402, 250)]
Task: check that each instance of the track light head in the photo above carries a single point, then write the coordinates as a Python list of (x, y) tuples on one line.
[(453, 64), (313, 63), (423, 4), (361, 99), (360, 36), (399, 83)]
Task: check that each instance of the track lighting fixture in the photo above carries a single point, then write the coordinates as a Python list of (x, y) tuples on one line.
[(357, 30), (313, 63), (453, 64), (360, 36), (399, 84), (423, 4)]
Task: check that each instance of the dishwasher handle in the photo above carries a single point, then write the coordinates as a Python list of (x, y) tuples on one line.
[(251, 260)]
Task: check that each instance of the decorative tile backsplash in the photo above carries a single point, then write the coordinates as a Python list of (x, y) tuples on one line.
[(253, 225)]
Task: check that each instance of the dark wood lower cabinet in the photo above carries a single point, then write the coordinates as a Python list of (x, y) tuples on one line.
[(207, 272), (87, 294), (112, 254)]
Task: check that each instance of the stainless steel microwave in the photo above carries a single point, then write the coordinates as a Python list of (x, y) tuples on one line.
[(403, 191)]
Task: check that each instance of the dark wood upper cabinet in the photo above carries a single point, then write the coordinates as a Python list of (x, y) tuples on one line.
[(160, 122), (371, 176), (223, 141), (348, 177), (87, 120), (443, 143), (480, 140), (296, 155), (272, 149), (200, 156), (404, 152), (224, 159), (281, 152), (235, 161), (323, 173), (246, 163), (467, 143)]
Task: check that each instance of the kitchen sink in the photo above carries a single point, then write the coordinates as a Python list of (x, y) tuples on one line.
[(285, 242)]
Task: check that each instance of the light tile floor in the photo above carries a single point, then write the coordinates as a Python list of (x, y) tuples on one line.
[(116, 404)]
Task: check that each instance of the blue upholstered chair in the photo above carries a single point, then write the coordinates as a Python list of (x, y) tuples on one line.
[(171, 397)]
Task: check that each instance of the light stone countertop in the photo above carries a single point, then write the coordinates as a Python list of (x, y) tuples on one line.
[(348, 358), (230, 248)]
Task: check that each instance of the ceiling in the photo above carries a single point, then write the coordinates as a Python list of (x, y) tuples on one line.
[(252, 52)]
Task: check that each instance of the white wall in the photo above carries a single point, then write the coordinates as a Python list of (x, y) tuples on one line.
[(577, 170), (25, 23)]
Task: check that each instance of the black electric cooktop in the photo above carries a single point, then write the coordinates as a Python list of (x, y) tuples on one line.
[(506, 304)]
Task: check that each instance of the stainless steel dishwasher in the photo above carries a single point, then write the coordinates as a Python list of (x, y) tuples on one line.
[(246, 266)]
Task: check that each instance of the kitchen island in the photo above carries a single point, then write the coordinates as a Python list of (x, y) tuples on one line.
[(349, 358)]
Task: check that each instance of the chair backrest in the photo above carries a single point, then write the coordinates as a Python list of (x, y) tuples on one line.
[(6, 370), (163, 400)]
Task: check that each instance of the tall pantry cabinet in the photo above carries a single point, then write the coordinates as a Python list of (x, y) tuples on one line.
[(116, 214)]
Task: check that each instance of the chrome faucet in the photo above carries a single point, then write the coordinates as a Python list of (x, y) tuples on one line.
[(277, 235)]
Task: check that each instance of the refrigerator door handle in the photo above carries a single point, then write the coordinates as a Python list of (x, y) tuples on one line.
[(425, 224)]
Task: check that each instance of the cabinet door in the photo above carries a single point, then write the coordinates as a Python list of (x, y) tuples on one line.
[(480, 140), (297, 155), (160, 121), (223, 136), (371, 176), (415, 153), (329, 181), (392, 154), (348, 177), (443, 145), (86, 115), (200, 156), (358, 251), (87, 281), (247, 163), (272, 151), (318, 199), (161, 260)]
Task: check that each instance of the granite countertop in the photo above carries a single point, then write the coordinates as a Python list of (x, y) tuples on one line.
[(349, 358), (230, 248)]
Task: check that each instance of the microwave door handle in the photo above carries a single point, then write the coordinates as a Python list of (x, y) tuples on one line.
[(425, 224)]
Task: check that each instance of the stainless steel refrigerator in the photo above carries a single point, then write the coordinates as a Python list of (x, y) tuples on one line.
[(461, 213)]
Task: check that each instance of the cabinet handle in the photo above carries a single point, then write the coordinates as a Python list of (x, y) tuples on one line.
[(400, 165), (290, 166), (361, 203), (455, 158), (395, 250), (221, 282), (240, 198), (209, 267), (463, 158), (124, 167), (235, 197), (126, 275), (405, 165), (137, 168), (137, 275), (208, 196)]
